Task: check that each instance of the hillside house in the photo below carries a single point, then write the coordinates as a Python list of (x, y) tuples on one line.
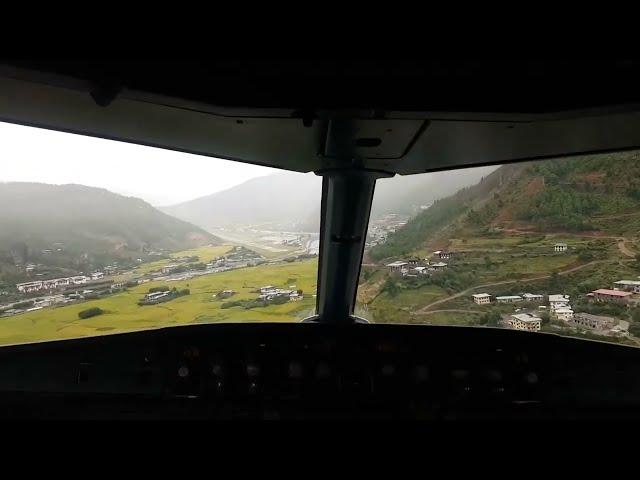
[(563, 313), (526, 322), (481, 298), (628, 285), (397, 266), (419, 271), (442, 255), (509, 299), (612, 296), (97, 275), (438, 266), (596, 322), (532, 297), (169, 268), (560, 247), (558, 301)]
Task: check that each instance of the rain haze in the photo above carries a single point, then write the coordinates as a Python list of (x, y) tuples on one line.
[(161, 177)]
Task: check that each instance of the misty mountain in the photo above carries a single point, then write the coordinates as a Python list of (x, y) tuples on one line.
[(291, 201), (73, 222), (595, 193), (285, 200)]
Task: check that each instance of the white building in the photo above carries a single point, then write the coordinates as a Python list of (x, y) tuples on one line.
[(28, 287), (481, 298), (628, 285), (397, 266), (560, 247), (558, 301), (419, 270), (526, 322), (155, 295), (509, 299), (563, 313), (97, 275), (268, 289), (532, 297), (439, 266)]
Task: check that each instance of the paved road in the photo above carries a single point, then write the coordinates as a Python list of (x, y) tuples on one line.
[(506, 282), (456, 310)]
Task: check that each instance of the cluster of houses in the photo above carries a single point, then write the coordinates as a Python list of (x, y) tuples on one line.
[(35, 286), (415, 267), (485, 298), (269, 293), (559, 307)]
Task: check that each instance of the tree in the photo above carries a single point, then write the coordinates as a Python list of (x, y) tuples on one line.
[(490, 319), (545, 318), (391, 287), (90, 312), (634, 329)]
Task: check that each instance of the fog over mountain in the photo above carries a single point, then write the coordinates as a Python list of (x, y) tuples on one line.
[(87, 221), (291, 201)]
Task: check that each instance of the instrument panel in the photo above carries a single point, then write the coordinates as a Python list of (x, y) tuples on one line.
[(300, 371)]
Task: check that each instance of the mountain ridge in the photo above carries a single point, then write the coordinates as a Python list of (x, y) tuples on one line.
[(292, 200), (79, 227), (571, 194)]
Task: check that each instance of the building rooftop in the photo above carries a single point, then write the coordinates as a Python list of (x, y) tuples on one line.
[(560, 245), (525, 317), (529, 295), (559, 298), (504, 297), (613, 293), (628, 282), (480, 295), (439, 264), (601, 318), (399, 263)]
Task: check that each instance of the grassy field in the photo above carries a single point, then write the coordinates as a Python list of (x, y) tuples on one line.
[(123, 313), (389, 309)]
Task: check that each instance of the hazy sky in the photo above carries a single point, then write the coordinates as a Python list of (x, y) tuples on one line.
[(161, 177)]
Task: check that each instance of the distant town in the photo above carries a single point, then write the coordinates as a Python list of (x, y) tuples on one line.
[(98, 284)]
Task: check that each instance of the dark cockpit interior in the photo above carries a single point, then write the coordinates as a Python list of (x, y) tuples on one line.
[(352, 123)]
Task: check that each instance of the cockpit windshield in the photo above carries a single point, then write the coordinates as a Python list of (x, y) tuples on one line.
[(100, 237), (545, 246)]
